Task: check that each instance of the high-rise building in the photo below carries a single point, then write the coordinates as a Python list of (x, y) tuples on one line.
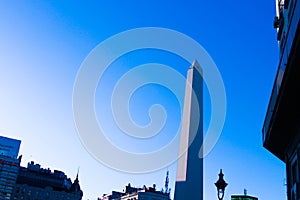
[(37, 183), (9, 166), (281, 129), (189, 179)]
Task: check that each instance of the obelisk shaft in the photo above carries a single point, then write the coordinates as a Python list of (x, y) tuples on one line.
[(189, 180)]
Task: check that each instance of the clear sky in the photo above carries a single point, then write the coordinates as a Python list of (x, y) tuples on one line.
[(42, 46)]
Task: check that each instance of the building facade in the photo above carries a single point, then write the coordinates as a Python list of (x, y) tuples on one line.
[(133, 193), (146, 193), (281, 129), (37, 183), (9, 166), (113, 196), (243, 197)]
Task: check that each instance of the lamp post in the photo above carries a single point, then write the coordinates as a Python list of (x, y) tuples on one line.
[(221, 184)]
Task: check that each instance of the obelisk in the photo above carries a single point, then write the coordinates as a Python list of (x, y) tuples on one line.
[(189, 179)]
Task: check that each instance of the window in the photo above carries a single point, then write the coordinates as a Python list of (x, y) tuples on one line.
[(294, 173)]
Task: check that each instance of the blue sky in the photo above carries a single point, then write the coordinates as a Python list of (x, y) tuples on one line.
[(44, 43)]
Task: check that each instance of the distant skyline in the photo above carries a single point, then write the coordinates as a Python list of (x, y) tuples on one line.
[(44, 43)]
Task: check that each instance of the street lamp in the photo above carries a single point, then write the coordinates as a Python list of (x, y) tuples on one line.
[(221, 184)]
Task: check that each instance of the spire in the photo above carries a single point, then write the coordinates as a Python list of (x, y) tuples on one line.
[(75, 187), (77, 173)]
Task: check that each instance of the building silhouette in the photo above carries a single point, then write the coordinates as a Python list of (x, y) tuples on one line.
[(113, 196), (281, 129), (133, 193), (144, 193), (34, 182), (189, 179), (9, 166)]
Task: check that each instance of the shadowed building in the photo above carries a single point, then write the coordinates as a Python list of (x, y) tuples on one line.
[(281, 129), (189, 179), (37, 183)]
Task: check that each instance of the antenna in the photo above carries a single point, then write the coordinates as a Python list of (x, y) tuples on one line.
[(245, 192), (167, 182)]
